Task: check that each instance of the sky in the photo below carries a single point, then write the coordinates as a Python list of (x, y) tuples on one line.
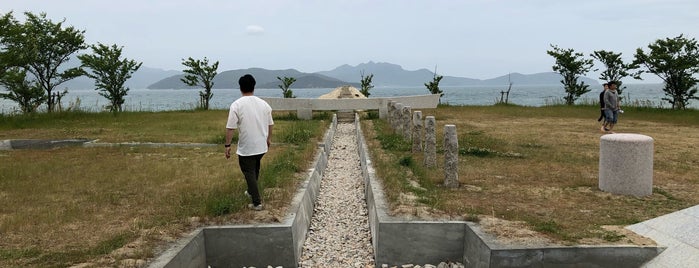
[(479, 39)]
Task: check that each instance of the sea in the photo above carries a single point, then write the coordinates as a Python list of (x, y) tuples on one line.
[(649, 95)]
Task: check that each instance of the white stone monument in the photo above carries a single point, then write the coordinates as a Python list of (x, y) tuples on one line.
[(626, 164)]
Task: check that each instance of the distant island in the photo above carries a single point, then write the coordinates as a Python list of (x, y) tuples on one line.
[(385, 75)]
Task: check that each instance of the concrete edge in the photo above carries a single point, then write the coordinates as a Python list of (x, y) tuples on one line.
[(397, 241), (283, 242)]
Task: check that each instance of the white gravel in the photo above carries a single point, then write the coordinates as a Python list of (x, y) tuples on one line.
[(339, 234)]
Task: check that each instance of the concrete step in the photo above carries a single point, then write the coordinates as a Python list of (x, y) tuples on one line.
[(345, 116)]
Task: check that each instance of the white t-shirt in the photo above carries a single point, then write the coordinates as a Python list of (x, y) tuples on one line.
[(252, 117)]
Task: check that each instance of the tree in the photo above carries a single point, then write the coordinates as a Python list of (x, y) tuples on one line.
[(200, 74), (41, 46), (286, 83), (28, 95), (675, 61), (571, 66), (366, 84), (433, 86), (616, 69), (110, 72)]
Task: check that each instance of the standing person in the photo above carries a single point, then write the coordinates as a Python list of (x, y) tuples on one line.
[(252, 117), (601, 104), (611, 107)]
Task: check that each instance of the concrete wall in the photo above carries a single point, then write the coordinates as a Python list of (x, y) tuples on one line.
[(304, 107)]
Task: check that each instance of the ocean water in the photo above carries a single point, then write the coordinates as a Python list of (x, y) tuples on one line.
[(529, 95)]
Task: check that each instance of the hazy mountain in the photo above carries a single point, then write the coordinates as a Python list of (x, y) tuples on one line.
[(264, 78), (387, 74)]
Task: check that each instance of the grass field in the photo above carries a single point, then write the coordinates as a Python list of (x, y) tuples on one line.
[(540, 166), (111, 206)]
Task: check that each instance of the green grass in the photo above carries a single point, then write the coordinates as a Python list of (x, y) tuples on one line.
[(70, 205), (540, 165)]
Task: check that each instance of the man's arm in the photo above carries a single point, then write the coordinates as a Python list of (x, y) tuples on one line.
[(269, 135), (229, 137)]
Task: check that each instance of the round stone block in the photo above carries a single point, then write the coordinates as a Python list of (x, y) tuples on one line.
[(626, 164)]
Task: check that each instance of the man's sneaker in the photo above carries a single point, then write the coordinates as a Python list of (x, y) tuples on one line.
[(247, 194), (253, 207)]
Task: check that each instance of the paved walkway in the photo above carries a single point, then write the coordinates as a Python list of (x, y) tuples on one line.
[(679, 232)]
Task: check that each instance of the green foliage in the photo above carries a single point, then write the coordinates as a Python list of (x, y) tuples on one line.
[(286, 83), (407, 161), (433, 86), (616, 69), (28, 95), (571, 66), (200, 74), (110, 72), (366, 84), (549, 226), (40, 47), (676, 62)]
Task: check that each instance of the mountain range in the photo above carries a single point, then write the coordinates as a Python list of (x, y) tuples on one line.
[(385, 75)]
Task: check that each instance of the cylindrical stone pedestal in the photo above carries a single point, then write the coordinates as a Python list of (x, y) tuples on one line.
[(626, 164)]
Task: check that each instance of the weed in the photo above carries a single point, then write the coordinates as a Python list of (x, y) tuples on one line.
[(549, 226), (407, 161)]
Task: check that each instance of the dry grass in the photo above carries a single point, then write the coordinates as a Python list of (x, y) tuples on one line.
[(73, 205), (540, 165)]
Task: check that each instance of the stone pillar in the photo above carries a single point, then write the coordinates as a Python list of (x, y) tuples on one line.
[(305, 114), (626, 164), (430, 142), (417, 131), (383, 109), (390, 107), (451, 157), (407, 123), (397, 122)]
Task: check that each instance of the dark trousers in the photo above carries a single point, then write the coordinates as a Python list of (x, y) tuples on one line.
[(250, 166)]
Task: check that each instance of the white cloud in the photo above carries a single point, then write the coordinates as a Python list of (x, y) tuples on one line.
[(254, 30)]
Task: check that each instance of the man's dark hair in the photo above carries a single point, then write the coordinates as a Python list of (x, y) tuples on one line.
[(612, 83), (247, 83)]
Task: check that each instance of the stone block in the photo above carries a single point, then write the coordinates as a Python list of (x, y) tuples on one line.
[(626, 164)]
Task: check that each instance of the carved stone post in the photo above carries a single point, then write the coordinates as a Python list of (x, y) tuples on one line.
[(417, 131), (407, 123), (398, 122), (451, 157), (430, 142)]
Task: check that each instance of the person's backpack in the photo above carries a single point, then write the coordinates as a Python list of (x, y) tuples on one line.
[(601, 106), (601, 100)]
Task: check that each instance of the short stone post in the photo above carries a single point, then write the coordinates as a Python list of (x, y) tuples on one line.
[(451, 157), (389, 111), (398, 122), (626, 164), (417, 131), (430, 142), (407, 123)]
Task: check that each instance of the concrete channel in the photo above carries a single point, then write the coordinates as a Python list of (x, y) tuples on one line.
[(395, 241)]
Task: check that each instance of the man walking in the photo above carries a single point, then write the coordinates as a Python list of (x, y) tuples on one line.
[(611, 107), (252, 117)]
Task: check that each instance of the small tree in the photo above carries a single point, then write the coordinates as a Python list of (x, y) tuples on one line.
[(675, 61), (571, 66), (433, 86), (615, 68), (286, 83), (41, 46), (110, 72), (200, 73), (28, 95), (366, 84)]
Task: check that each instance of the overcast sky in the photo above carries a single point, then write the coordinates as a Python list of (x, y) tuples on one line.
[(475, 38)]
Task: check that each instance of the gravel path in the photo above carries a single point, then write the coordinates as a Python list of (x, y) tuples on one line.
[(339, 234)]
